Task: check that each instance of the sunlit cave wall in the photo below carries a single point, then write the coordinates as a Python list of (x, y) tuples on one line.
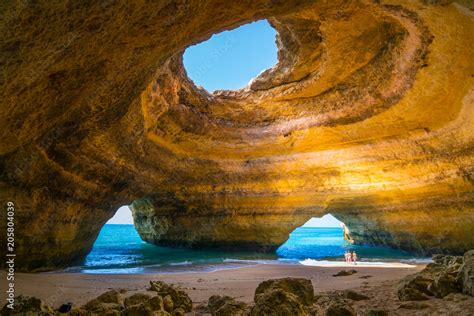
[(368, 115)]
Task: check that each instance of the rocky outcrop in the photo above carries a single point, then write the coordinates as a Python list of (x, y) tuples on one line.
[(301, 288), (288, 296), (168, 301), (278, 302), (226, 306), (465, 278), (27, 305), (283, 297), (295, 296), (333, 304), (368, 115), (137, 298), (414, 288), (344, 273), (177, 298), (445, 276)]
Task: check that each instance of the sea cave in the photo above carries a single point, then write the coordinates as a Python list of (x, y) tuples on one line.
[(367, 114)]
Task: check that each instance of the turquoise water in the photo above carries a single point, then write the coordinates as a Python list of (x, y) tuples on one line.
[(119, 249), (328, 243)]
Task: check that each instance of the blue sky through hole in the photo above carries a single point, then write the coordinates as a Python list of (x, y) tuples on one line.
[(230, 59), (124, 216)]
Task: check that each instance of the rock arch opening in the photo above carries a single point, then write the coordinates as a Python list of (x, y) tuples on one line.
[(231, 59), (118, 246), (327, 237), (318, 238)]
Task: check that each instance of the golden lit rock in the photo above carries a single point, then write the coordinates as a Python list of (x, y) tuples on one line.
[(368, 115)]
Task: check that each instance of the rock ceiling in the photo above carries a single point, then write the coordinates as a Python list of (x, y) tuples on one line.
[(368, 115)]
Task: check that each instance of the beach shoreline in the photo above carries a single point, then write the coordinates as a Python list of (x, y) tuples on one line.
[(56, 288)]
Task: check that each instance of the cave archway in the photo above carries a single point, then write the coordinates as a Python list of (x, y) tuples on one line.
[(319, 238), (368, 114), (327, 238), (118, 247)]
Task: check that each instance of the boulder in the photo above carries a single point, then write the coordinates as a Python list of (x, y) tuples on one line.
[(301, 288), (135, 299), (226, 306), (339, 308), (445, 259), (107, 309), (178, 312), (168, 304), (466, 274), (445, 264), (146, 307), (344, 273), (443, 284), (28, 305), (334, 303), (414, 288), (278, 302), (112, 297), (445, 275), (156, 303), (138, 310), (179, 298)]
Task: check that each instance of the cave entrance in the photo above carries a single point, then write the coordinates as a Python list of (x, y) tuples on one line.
[(118, 246), (319, 238), (327, 238), (230, 59)]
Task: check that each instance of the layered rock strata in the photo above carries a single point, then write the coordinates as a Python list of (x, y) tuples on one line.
[(368, 115)]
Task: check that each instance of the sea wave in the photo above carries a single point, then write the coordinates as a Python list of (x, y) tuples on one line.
[(182, 263), (261, 261)]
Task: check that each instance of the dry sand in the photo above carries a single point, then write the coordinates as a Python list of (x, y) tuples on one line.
[(376, 282), (58, 288)]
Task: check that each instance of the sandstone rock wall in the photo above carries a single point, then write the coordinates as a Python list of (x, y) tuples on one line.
[(368, 115)]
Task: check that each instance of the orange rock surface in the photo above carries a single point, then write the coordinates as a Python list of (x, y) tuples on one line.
[(368, 115)]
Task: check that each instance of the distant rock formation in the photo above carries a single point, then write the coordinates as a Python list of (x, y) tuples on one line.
[(368, 115)]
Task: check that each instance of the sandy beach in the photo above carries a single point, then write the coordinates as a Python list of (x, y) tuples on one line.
[(59, 288), (376, 282)]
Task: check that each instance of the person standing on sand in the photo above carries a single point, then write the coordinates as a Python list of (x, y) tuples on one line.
[(354, 257), (346, 256)]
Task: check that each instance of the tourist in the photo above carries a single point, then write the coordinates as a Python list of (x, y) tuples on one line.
[(354, 257), (347, 256)]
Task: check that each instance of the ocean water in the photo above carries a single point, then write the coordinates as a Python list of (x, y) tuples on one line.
[(119, 249), (328, 243)]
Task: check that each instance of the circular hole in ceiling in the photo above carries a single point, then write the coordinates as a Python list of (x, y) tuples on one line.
[(231, 59)]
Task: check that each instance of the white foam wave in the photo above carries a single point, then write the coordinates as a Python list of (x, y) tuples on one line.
[(360, 264)]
